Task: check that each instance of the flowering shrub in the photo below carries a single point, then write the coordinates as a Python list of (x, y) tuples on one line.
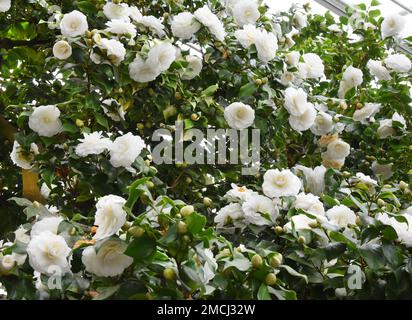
[(88, 214)]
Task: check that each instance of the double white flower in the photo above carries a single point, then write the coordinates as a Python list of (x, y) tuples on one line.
[(302, 113)]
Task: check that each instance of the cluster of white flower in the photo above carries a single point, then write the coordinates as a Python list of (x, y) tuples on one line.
[(396, 62), (336, 151), (123, 150), (351, 77), (302, 113), (386, 128)]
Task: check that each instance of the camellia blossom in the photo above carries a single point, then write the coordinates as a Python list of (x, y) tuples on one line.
[(323, 124), (193, 68), (398, 63), (239, 193), (338, 149), (295, 101), (352, 76), (245, 12), (255, 208), (92, 143), (73, 24), (184, 25), (314, 178), (47, 252), (292, 58), (266, 45), (211, 21), (62, 50), (366, 112), (312, 68), (377, 69), (247, 36), (45, 121), (280, 183), (5, 5), (239, 115), (116, 11), (386, 129), (22, 158), (141, 71), (392, 25), (341, 216), (300, 20), (228, 214), (115, 50), (46, 224), (121, 27), (304, 121), (153, 24), (299, 222), (162, 56), (110, 216), (125, 149), (109, 260), (309, 203)]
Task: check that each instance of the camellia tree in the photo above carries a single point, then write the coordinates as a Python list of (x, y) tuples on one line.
[(87, 211)]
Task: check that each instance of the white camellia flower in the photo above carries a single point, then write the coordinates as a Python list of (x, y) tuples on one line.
[(45, 121), (287, 78), (141, 71), (392, 25), (115, 50), (300, 20), (153, 24), (45, 191), (299, 222), (386, 125), (5, 5), (361, 177), (193, 69), (377, 69), (135, 14), (314, 178), (280, 183), (256, 207), (245, 12), (48, 252), (309, 203), (239, 115), (385, 170), (184, 25), (352, 76), (341, 216), (312, 68), (239, 193), (229, 214), (323, 124), (266, 45), (338, 149), (121, 27), (304, 121), (46, 224), (403, 229), (211, 21), (162, 56), (21, 235), (292, 58), (62, 50), (7, 263), (73, 24), (247, 36), (92, 143), (21, 158), (296, 101), (398, 63), (369, 110), (108, 261), (125, 149), (116, 11), (110, 216)]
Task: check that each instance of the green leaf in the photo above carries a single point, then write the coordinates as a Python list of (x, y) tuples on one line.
[(141, 248), (209, 91), (247, 90), (22, 202), (70, 127), (294, 273), (195, 223), (263, 293), (102, 120)]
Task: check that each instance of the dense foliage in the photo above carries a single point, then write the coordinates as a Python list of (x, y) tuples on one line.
[(86, 213)]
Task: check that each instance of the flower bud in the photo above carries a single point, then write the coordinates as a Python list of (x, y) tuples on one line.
[(150, 184), (186, 211), (313, 224), (301, 240), (381, 202), (140, 126), (358, 221), (279, 230), (168, 273), (346, 174), (270, 279), (256, 261), (276, 260), (403, 185), (79, 123), (194, 117), (178, 96), (181, 227), (207, 202), (136, 231)]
